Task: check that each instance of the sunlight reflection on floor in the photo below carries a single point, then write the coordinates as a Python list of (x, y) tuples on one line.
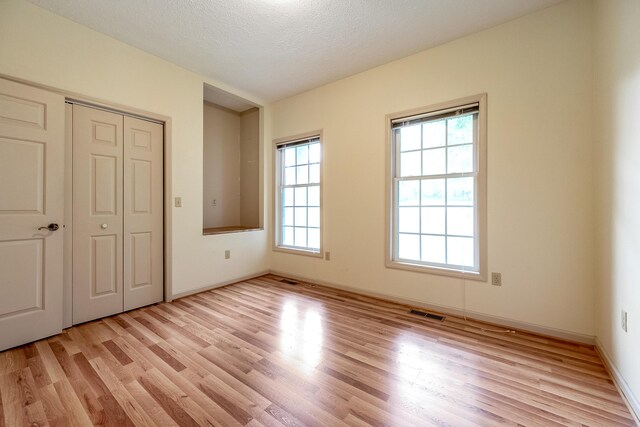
[(301, 335)]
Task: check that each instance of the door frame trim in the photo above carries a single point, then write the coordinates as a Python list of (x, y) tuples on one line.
[(167, 171)]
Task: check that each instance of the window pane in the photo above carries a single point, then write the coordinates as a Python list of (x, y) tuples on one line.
[(301, 217), (460, 130), (302, 152), (301, 237), (410, 138), (460, 251), (287, 236), (433, 249), (409, 193), (410, 163), (314, 238), (290, 176), (433, 192), (460, 191), (433, 220), (409, 220), (433, 162), (301, 196), (314, 173), (314, 196), (314, 153), (460, 221), (302, 174), (434, 134), (460, 159), (409, 246), (290, 156), (287, 216), (314, 217), (287, 196)]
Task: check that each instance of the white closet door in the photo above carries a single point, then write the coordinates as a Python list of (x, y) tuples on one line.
[(143, 213), (31, 196), (97, 213)]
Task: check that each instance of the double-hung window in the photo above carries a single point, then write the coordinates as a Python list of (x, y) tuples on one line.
[(298, 195), (437, 189)]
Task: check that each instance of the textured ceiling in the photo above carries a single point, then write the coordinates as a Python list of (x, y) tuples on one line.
[(277, 48)]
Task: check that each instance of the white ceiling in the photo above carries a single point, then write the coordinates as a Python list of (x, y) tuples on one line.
[(276, 48)]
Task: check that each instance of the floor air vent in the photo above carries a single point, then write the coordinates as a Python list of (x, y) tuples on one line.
[(289, 281), (427, 315)]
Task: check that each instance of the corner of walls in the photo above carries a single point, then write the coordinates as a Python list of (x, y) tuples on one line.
[(617, 131), (629, 396)]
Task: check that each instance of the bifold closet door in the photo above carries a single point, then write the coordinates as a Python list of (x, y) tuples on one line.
[(143, 210), (98, 151)]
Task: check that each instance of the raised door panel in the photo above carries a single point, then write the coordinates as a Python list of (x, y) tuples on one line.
[(104, 181), (21, 162), (143, 213), (141, 262), (104, 265), (141, 188), (97, 214), (25, 294), (31, 189)]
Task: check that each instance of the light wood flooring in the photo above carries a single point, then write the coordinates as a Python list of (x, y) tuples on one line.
[(263, 352)]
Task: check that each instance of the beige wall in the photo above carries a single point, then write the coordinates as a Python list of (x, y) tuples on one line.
[(249, 168), (617, 103), (221, 167), (41, 47), (536, 71)]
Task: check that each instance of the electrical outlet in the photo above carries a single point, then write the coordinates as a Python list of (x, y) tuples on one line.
[(327, 256), (496, 279), (178, 202), (227, 254), (623, 320)]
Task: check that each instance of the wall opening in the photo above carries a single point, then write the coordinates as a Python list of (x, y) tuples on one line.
[(231, 166)]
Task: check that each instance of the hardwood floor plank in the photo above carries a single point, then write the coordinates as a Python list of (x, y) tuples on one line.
[(149, 405), (71, 403), (53, 408), (117, 352), (133, 410), (235, 411), (285, 418), (172, 408), (266, 353), (10, 391), (35, 415)]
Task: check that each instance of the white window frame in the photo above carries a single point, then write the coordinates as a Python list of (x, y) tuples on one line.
[(480, 152), (277, 194)]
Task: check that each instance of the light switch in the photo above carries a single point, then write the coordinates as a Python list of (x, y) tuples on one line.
[(178, 202)]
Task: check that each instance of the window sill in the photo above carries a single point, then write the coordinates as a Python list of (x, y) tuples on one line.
[(293, 251), (228, 230), (418, 268)]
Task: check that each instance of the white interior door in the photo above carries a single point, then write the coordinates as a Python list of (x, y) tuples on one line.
[(97, 213), (31, 196), (143, 213)]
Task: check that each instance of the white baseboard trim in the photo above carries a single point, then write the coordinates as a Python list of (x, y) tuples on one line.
[(627, 394), (495, 320), (217, 285)]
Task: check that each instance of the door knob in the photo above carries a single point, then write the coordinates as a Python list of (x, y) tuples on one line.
[(50, 227), (104, 226)]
